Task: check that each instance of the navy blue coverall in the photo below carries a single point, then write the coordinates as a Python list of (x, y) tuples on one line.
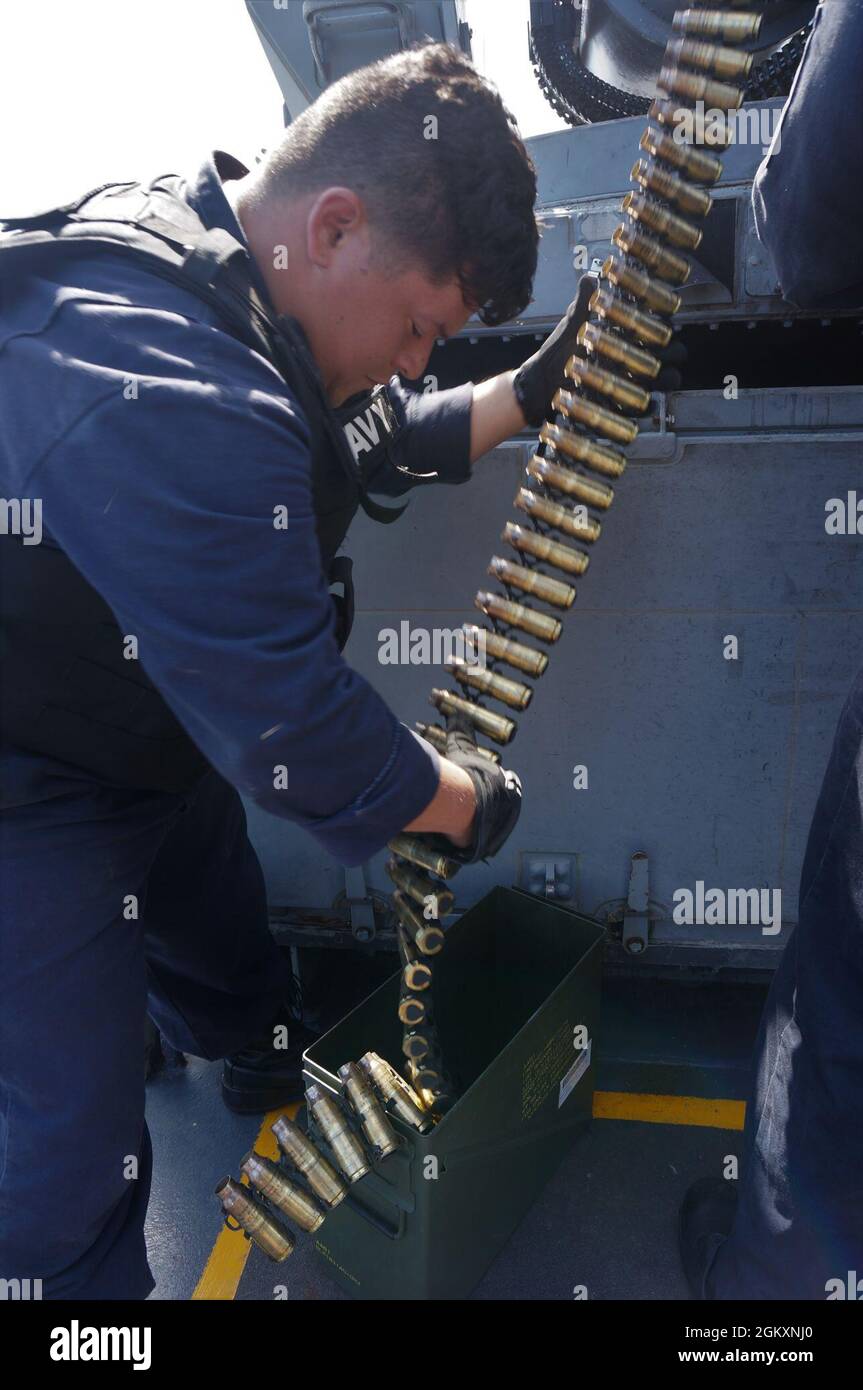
[(159, 446), (799, 1219)]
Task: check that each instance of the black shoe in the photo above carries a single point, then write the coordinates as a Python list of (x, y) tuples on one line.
[(707, 1212), (262, 1077)]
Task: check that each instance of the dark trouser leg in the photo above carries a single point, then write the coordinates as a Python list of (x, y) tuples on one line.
[(74, 1149), (216, 976), (799, 1221)]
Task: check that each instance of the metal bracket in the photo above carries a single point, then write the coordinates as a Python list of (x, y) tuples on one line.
[(359, 904), (636, 922)]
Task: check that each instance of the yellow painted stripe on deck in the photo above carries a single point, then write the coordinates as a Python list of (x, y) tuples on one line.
[(669, 1110), (224, 1269)]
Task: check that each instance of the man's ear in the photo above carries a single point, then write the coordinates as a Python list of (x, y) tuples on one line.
[(335, 215)]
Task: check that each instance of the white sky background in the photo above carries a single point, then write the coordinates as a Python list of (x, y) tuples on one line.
[(94, 91)]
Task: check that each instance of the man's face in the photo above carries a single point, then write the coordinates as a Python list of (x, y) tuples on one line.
[(366, 318)]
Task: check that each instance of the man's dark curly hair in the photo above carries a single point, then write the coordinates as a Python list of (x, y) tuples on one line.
[(436, 157)]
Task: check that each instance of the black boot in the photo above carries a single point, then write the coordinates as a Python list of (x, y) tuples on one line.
[(706, 1218), (264, 1077)]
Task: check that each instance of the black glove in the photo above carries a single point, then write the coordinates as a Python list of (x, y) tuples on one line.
[(538, 378), (498, 794)]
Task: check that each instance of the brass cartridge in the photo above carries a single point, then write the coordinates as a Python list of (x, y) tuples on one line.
[(596, 417), (411, 1011), (664, 184), (368, 1110), (667, 264), (599, 457), (709, 57), (394, 1090), (511, 654), (691, 86), (349, 1152), (425, 1076), (624, 393), (421, 888), (704, 132), (271, 1182), (418, 852), (561, 518), (645, 327), (238, 1202), (436, 736), (416, 1045), (717, 24), (518, 615), (495, 726), (318, 1172), (617, 349), (695, 164), (509, 692), (568, 481), (658, 218), (428, 937), (416, 974), (563, 557), (552, 591)]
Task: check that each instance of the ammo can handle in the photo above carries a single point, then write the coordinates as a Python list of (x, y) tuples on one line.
[(386, 1228)]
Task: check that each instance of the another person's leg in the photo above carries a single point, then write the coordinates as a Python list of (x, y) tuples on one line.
[(74, 1150), (799, 1218)]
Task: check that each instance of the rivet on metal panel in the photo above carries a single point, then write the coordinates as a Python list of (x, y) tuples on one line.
[(636, 923)]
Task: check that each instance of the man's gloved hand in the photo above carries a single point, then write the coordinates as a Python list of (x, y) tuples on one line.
[(538, 378), (498, 794)]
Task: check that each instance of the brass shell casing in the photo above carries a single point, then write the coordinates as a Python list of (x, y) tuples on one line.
[(667, 264), (394, 1090), (418, 852), (573, 484), (685, 196), (703, 168), (349, 1152), (436, 736), (420, 888), (601, 458), (509, 692), (416, 1045), (717, 24), (368, 1109), (596, 417), (617, 349), (238, 1202), (416, 973), (709, 57), (518, 615), (660, 220), (512, 654), (530, 581), (411, 1011), (563, 557), (495, 726), (627, 394), (428, 937), (645, 327), (554, 514), (318, 1172), (271, 1182), (704, 132), (677, 82)]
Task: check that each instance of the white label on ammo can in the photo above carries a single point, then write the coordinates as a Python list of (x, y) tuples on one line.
[(574, 1075)]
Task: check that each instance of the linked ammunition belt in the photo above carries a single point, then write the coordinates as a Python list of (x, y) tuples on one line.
[(566, 491)]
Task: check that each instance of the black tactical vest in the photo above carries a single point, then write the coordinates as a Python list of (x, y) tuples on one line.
[(66, 690)]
